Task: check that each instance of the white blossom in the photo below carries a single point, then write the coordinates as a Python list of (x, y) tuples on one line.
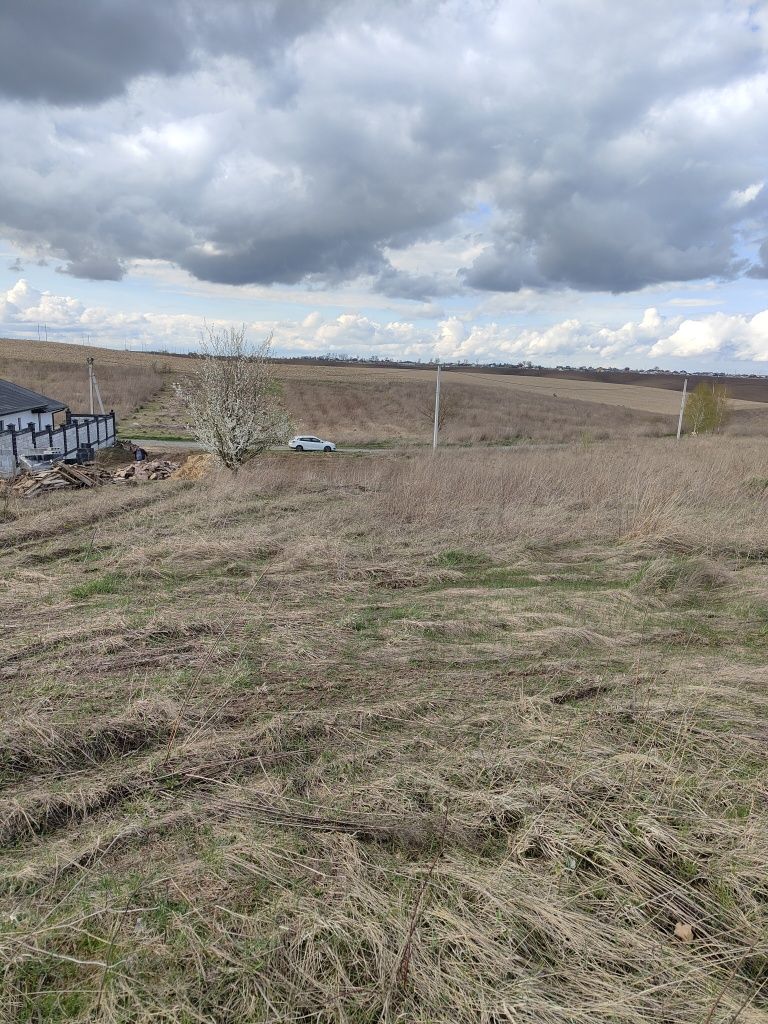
[(232, 399)]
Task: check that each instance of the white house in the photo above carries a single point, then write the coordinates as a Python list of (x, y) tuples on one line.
[(21, 408), (31, 423)]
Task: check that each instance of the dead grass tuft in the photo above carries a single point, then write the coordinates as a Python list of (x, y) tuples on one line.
[(684, 578)]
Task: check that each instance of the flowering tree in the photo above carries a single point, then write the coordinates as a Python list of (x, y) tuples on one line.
[(233, 403)]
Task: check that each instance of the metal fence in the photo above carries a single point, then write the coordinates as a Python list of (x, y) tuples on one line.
[(79, 430)]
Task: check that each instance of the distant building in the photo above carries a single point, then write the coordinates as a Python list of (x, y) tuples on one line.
[(21, 408), (31, 424)]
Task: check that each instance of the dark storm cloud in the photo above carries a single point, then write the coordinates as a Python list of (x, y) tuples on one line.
[(83, 52), (606, 244), (86, 51), (286, 259), (95, 268), (318, 141)]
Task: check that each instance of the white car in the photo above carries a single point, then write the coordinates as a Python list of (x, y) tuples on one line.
[(310, 443)]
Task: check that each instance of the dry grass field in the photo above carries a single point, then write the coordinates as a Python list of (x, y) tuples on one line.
[(752, 388), (478, 737), (356, 405), (60, 371), (628, 396)]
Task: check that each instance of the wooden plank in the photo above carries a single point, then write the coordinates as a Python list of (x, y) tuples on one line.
[(74, 476)]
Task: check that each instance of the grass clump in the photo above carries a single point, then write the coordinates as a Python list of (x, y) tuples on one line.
[(463, 560), (687, 579), (106, 583)]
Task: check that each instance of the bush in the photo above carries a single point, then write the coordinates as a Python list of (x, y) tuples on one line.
[(706, 409)]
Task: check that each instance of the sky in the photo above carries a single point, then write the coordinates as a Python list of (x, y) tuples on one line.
[(579, 182)]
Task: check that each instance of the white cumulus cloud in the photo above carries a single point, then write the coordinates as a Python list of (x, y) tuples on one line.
[(650, 339)]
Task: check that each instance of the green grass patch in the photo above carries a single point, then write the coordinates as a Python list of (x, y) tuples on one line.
[(155, 436), (108, 583), (374, 617), (481, 572), (466, 561), (511, 578)]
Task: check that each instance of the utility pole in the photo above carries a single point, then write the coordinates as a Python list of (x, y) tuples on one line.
[(46, 332), (90, 381), (682, 408), (437, 409), (98, 395)]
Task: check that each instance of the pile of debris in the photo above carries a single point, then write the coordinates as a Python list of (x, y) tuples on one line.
[(149, 469), (29, 485), (62, 475)]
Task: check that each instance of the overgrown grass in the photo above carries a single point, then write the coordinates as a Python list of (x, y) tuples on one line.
[(351, 405), (431, 739), (126, 381)]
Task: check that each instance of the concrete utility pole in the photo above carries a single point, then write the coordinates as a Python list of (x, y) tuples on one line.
[(682, 408), (93, 388), (90, 381), (437, 409)]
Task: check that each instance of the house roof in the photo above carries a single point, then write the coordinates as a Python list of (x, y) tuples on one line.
[(14, 398)]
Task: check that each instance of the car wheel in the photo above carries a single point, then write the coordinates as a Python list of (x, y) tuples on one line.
[(327, 448), (299, 448)]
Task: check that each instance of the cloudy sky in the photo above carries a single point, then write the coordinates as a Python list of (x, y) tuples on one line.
[(580, 181)]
